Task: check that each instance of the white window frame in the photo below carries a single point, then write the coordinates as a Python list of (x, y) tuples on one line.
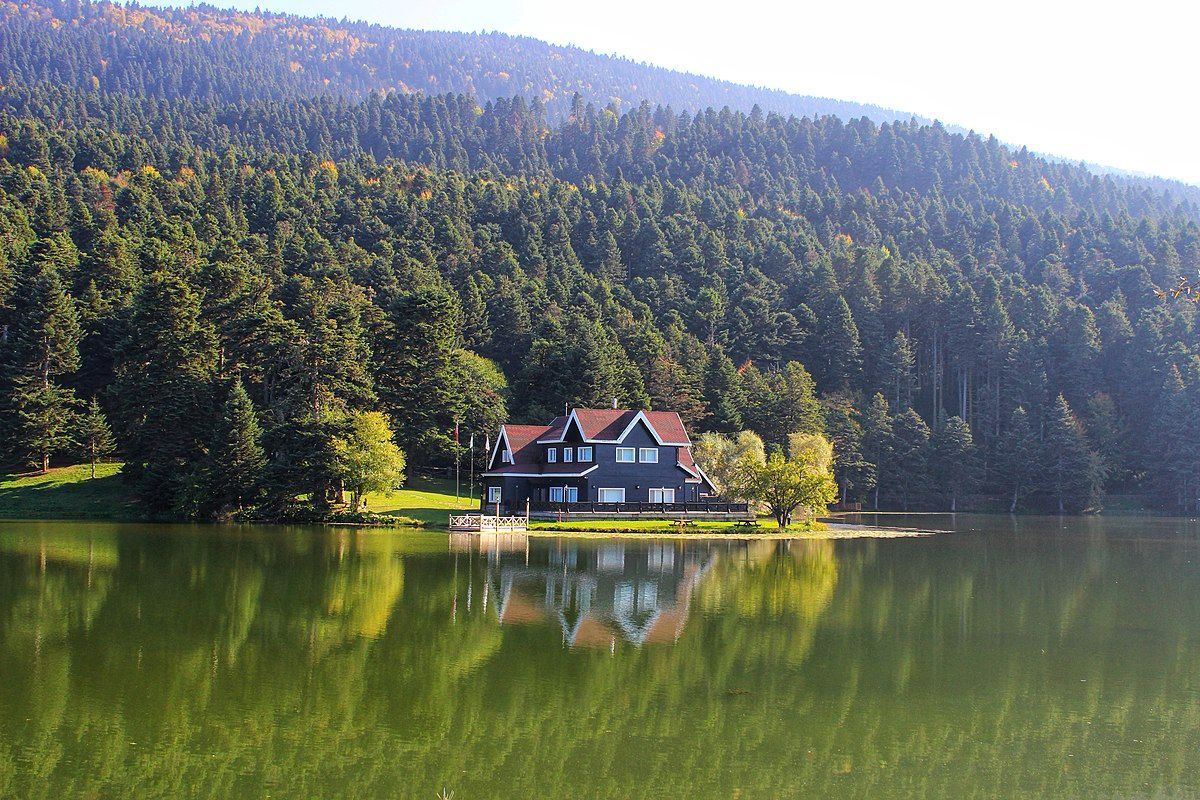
[(583, 453), (568, 455), (662, 495), (571, 494), (630, 451), (600, 495), (494, 495), (556, 494), (551, 455), (643, 452)]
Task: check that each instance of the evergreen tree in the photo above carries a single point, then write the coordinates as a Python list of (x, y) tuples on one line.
[(840, 347), (899, 364), (854, 473), (953, 460), (722, 394), (1017, 459), (415, 375), (1073, 472), (165, 367), (908, 468), (45, 348), (236, 461), (94, 436), (877, 442)]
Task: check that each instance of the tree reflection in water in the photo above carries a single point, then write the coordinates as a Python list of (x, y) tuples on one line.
[(147, 661)]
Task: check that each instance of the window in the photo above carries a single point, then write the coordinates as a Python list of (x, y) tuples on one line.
[(493, 494), (611, 495), (568, 454), (556, 494), (583, 454), (551, 455), (572, 494), (648, 455), (625, 455), (662, 495)]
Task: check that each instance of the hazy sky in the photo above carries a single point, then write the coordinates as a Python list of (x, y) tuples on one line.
[(1109, 83)]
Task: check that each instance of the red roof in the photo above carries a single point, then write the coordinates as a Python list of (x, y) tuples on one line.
[(607, 424), (521, 441)]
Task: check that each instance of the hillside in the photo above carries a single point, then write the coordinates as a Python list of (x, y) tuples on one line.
[(952, 311), (208, 53)]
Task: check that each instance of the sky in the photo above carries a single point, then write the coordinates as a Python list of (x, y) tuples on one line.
[(1110, 83)]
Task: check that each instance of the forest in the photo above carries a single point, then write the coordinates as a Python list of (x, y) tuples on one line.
[(217, 276)]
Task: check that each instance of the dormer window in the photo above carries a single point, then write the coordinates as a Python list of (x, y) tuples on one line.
[(551, 455), (568, 454)]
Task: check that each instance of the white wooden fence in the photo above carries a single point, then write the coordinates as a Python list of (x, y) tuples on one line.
[(488, 524)]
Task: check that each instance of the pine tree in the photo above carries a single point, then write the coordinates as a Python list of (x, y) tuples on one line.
[(165, 367), (45, 349), (899, 364), (415, 373), (1017, 458), (94, 435), (908, 468), (794, 406), (1073, 473), (854, 474), (840, 347), (722, 395), (236, 461), (877, 441), (953, 460)]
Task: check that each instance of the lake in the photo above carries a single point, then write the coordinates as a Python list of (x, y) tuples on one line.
[(1016, 657)]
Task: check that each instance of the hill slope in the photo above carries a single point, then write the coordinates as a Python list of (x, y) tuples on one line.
[(442, 259), (203, 53)]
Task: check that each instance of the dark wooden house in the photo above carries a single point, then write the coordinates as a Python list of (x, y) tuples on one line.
[(599, 461)]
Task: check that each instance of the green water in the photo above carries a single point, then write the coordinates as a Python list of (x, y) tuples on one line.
[(1026, 658)]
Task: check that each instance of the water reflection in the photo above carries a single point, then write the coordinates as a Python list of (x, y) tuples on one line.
[(595, 595), (1041, 658)]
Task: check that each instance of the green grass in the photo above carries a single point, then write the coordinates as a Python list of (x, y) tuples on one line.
[(66, 493), (425, 501), (758, 527)]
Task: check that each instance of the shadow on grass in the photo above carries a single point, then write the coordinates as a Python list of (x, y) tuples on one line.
[(49, 497)]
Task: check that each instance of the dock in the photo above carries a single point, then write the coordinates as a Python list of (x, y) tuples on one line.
[(487, 523)]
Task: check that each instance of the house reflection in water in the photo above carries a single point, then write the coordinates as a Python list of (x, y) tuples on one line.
[(637, 592)]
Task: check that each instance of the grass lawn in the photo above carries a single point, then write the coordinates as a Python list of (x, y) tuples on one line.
[(761, 527), (425, 501), (66, 493)]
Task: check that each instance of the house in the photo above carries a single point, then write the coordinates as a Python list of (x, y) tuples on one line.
[(597, 460)]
